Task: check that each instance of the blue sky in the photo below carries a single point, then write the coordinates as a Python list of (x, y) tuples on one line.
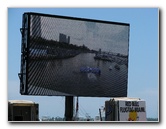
[(143, 77)]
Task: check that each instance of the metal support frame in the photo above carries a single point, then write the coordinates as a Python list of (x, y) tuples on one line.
[(69, 108)]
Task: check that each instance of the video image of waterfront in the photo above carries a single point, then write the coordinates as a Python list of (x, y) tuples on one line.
[(78, 58)]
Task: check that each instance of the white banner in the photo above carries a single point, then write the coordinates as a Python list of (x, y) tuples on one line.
[(132, 110)]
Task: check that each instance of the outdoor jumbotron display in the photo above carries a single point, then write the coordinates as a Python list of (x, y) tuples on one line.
[(66, 56)]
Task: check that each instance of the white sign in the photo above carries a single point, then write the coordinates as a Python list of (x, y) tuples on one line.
[(132, 111)]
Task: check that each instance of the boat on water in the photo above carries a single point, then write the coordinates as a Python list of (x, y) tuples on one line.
[(110, 68), (117, 67)]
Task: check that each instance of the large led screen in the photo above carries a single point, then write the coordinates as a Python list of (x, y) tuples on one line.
[(66, 56)]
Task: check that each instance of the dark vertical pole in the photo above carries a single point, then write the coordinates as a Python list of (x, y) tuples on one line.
[(69, 108), (100, 114)]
